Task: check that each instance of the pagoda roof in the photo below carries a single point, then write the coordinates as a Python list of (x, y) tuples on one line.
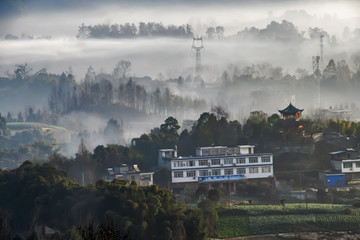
[(290, 110)]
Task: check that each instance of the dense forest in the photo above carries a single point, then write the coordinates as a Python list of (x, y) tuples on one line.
[(32, 195)]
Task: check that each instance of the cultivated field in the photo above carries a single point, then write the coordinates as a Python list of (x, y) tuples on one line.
[(242, 220)]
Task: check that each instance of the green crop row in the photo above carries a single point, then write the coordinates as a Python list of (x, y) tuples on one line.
[(293, 208), (339, 222), (278, 223), (301, 223), (232, 226)]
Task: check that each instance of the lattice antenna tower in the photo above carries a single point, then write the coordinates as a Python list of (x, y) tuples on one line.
[(197, 45), (316, 69), (321, 50)]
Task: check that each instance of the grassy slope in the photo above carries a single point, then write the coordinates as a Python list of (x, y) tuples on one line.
[(61, 134)]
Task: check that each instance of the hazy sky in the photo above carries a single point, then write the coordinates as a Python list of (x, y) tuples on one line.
[(61, 20)]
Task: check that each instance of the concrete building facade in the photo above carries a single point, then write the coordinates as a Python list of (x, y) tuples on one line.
[(346, 161), (218, 163), (131, 173)]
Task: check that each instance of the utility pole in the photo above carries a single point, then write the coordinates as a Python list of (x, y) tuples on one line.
[(197, 45), (229, 190), (83, 178)]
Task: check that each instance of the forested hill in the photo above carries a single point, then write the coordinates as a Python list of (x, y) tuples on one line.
[(33, 196)]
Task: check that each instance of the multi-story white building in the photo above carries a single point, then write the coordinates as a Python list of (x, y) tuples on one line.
[(346, 161), (217, 163)]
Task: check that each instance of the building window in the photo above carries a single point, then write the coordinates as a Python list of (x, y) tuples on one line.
[(253, 160), (169, 154), (191, 163), (215, 162), (203, 173), (190, 173), (265, 159), (253, 170), (178, 164), (203, 162), (240, 160), (266, 169), (228, 171), (178, 174), (347, 165), (145, 177), (357, 164), (228, 161), (216, 172), (240, 170), (250, 150), (132, 177)]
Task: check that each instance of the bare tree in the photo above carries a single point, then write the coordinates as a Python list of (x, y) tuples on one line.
[(122, 68), (22, 70), (301, 73), (220, 112)]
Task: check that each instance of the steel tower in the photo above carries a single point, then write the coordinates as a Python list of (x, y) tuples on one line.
[(197, 45)]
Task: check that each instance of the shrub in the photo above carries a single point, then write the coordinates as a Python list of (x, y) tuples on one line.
[(349, 211)]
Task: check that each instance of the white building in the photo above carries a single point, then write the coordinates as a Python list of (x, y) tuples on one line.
[(346, 161), (217, 163)]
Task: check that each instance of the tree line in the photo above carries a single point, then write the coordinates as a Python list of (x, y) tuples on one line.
[(68, 97), (286, 31), (130, 30), (336, 74)]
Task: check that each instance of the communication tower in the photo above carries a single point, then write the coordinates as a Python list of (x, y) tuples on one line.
[(321, 50), (316, 69), (197, 45)]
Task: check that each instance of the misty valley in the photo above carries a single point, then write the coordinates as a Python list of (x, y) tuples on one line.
[(138, 126)]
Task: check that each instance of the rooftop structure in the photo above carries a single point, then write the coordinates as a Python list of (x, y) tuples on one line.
[(217, 163), (292, 123), (129, 172), (291, 113), (331, 113), (346, 161)]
